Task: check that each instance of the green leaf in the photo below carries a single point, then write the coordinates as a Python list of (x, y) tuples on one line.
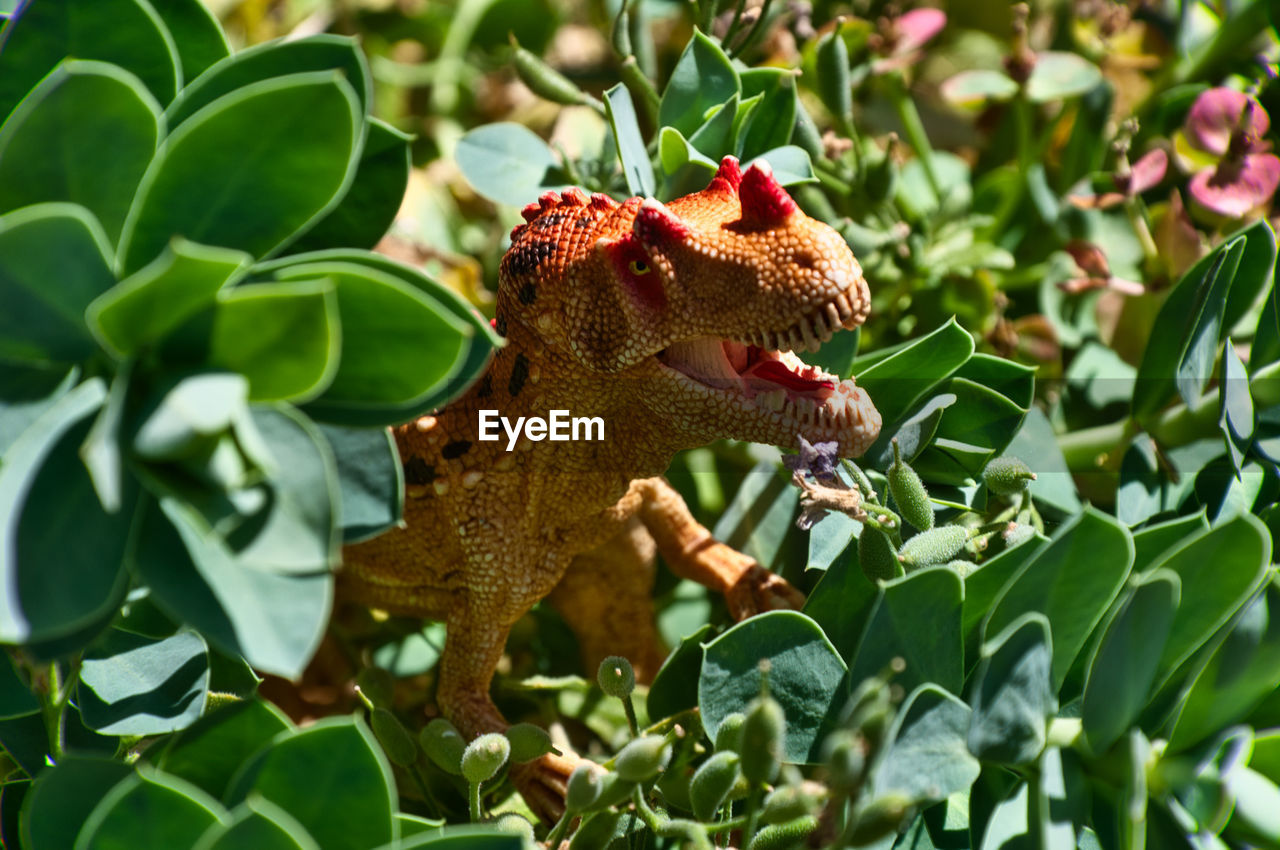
[(772, 121), (805, 673), (1256, 817), (926, 757), (917, 618), (637, 170), (260, 824), (1057, 75), (985, 583), (127, 33), (28, 391), (275, 621), (714, 137), (980, 416), (208, 753), (841, 603), (338, 754), (61, 556), (1156, 539), (760, 515), (702, 78), (896, 380), (914, 435), (370, 477), (675, 686), (149, 811), (196, 34), (1014, 381), (829, 538), (468, 836), (1071, 580), (131, 685), (1219, 571), (1013, 697), (790, 164), (399, 344), (41, 245), (507, 163), (974, 88), (15, 699), (210, 186), (1124, 664), (154, 301), (1036, 443), (1143, 491), (185, 415), (1009, 827), (62, 798), (84, 135), (371, 204), (274, 60), (1192, 315), (1235, 406)]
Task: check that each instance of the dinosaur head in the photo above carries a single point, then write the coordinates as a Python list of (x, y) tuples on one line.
[(710, 295)]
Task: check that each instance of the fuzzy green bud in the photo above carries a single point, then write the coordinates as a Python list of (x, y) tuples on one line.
[(835, 88), (512, 823), (674, 785), (690, 835), (876, 556), (484, 757), (583, 788), (1007, 476), (443, 744), (616, 677), (596, 831), (547, 82), (846, 760), (729, 735), (787, 834), (396, 741), (1017, 533), (762, 737), (614, 790), (376, 684), (882, 817), (789, 802), (909, 493), (712, 783), (936, 546), (643, 758), (528, 742)]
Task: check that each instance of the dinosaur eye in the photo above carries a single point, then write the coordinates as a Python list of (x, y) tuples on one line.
[(639, 267)]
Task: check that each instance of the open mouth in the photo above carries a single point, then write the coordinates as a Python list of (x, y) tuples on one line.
[(763, 375)]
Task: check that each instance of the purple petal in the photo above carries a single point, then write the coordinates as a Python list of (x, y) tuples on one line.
[(1148, 171), (1214, 117), (916, 27), (1233, 191)]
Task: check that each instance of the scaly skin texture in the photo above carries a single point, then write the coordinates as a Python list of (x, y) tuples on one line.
[(615, 311)]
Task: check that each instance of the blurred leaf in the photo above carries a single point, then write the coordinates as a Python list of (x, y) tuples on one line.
[(274, 60), (1059, 799), (702, 78), (337, 752), (418, 652), (127, 33), (770, 124), (1266, 339), (1256, 816), (916, 193), (260, 824), (26, 742), (790, 164), (1010, 825), (208, 753), (926, 757), (15, 699), (210, 187), (917, 618), (38, 244), (370, 205), (27, 392), (61, 556), (636, 167), (1013, 697), (188, 414), (1235, 406), (1037, 444), (974, 88), (714, 138), (896, 380), (675, 686), (158, 298), (62, 798), (1219, 570), (1059, 75), (506, 163), (149, 810), (195, 32), (984, 584), (1124, 664), (1057, 584), (837, 354), (370, 477), (130, 685), (841, 604), (758, 518), (102, 450), (84, 135), (805, 673)]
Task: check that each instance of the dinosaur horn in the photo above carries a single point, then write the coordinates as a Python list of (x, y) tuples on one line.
[(765, 203), (656, 225), (728, 177)]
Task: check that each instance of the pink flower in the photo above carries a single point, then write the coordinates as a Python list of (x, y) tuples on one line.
[(901, 38), (1129, 181), (1230, 125)]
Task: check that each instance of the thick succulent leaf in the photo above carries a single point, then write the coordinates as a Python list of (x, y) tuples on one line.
[(507, 163), (760, 515), (84, 135), (149, 810), (1013, 697), (771, 122), (132, 685), (210, 187), (926, 757), (637, 170), (841, 603), (805, 674), (127, 33), (702, 78), (371, 479), (209, 753), (63, 796), (896, 379), (196, 34), (260, 824)]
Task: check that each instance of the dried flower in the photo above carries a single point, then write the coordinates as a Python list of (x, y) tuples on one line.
[(819, 460), (901, 38), (1095, 272)]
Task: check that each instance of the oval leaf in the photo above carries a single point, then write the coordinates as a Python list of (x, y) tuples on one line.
[(131, 685), (1013, 697), (506, 162), (917, 618), (149, 811)]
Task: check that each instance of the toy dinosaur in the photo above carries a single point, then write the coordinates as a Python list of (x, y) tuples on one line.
[(674, 325)]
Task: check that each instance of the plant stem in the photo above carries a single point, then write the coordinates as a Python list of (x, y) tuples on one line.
[(54, 713), (914, 129), (473, 800)]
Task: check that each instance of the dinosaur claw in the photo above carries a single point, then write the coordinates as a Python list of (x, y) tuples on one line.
[(758, 590), (543, 783)]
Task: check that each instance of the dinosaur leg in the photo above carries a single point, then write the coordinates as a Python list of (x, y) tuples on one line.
[(604, 596), (691, 552)]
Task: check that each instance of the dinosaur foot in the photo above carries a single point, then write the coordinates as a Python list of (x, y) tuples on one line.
[(758, 590), (543, 783)]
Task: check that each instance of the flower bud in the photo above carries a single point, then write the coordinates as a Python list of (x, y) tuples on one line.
[(528, 742), (712, 783), (846, 760), (882, 817), (613, 791), (729, 735), (1007, 476), (876, 556), (782, 835), (545, 81), (643, 758), (443, 744), (512, 823), (789, 802), (909, 493), (396, 741), (936, 546), (583, 788), (1017, 534), (616, 677), (596, 831), (762, 740), (484, 757)]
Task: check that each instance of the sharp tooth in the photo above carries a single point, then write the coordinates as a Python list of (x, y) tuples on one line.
[(833, 315), (794, 340), (820, 327), (842, 304), (810, 341)]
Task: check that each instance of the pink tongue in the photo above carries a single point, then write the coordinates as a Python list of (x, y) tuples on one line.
[(776, 372)]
